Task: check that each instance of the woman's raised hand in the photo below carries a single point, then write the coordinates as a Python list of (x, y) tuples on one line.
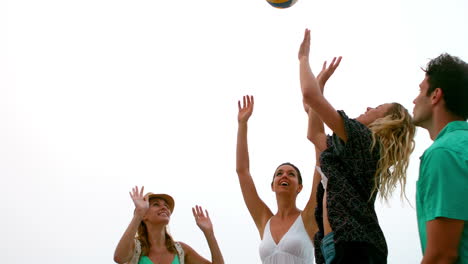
[(327, 72), (245, 108), (141, 205), (304, 49), (202, 219)]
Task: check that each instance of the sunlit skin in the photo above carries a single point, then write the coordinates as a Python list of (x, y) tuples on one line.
[(287, 211), (443, 234), (286, 180), (373, 114), (158, 212), (155, 213), (422, 113)]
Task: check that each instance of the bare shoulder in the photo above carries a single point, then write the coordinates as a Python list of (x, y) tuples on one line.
[(185, 247), (191, 256)]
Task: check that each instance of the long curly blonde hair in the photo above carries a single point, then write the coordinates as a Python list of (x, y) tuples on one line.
[(394, 133)]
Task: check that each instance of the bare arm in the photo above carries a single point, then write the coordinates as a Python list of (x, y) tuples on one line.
[(443, 240), (204, 223), (312, 94), (126, 246), (308, 215), (316, 134), (257, 208), (315, 129)]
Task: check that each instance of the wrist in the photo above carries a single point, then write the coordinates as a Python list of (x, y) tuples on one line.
[(138, 216), (208, 232), (304, 59), (321, 84)]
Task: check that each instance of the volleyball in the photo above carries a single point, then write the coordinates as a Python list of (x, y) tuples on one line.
[(281, 3)]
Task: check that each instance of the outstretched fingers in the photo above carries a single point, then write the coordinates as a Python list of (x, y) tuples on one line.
[(194, 212), (250, 101), (247, 102), (305, 45), (335, 63), (199, 213), (136, 193), (245, 108)]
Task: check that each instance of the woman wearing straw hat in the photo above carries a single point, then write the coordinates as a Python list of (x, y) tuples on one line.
[(153, 244)]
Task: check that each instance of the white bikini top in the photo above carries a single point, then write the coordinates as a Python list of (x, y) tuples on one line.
[(295, 247)]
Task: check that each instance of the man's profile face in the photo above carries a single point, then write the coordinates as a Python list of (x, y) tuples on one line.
[(422, 111)]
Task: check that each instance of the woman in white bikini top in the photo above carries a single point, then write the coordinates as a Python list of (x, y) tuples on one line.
[(294, 247), (286, 235)]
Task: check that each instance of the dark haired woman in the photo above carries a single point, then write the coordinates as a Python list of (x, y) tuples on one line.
[(286, 235)]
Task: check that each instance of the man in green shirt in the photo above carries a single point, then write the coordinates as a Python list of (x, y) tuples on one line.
[(442, 188)]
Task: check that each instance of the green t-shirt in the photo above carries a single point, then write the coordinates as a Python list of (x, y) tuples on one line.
[(146, 260), (442, 187)]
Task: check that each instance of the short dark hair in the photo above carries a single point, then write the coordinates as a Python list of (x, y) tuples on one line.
[(450, 74), (294, 167)]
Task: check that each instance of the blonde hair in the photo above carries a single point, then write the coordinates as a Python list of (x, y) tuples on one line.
[(142, 236), (394, 133)]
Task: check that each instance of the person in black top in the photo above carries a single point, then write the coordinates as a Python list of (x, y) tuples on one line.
[(364, 157)]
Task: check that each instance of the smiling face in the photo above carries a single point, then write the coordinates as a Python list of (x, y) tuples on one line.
[(158, 211), (286, 179), (373, 114)]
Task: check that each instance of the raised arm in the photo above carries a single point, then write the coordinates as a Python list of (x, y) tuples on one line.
[(126, 247), (315, 129), (316, 134), (204, 223), (257, 208), (308, 215), (312, 93)]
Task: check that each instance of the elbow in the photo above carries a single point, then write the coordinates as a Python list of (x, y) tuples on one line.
[(242, 170), (317, 141), (441, 257), (120, 259), (450, 258), (117, 259), (310, 98), (307, 97)]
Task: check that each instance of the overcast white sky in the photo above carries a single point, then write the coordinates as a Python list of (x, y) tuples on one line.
[(97, 96)]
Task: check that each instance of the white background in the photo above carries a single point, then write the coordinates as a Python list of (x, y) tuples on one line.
[(98, 96)]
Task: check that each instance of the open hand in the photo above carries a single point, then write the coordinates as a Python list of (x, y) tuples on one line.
[(203, 221), (141, 205), (327, 72), (246, 109)]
